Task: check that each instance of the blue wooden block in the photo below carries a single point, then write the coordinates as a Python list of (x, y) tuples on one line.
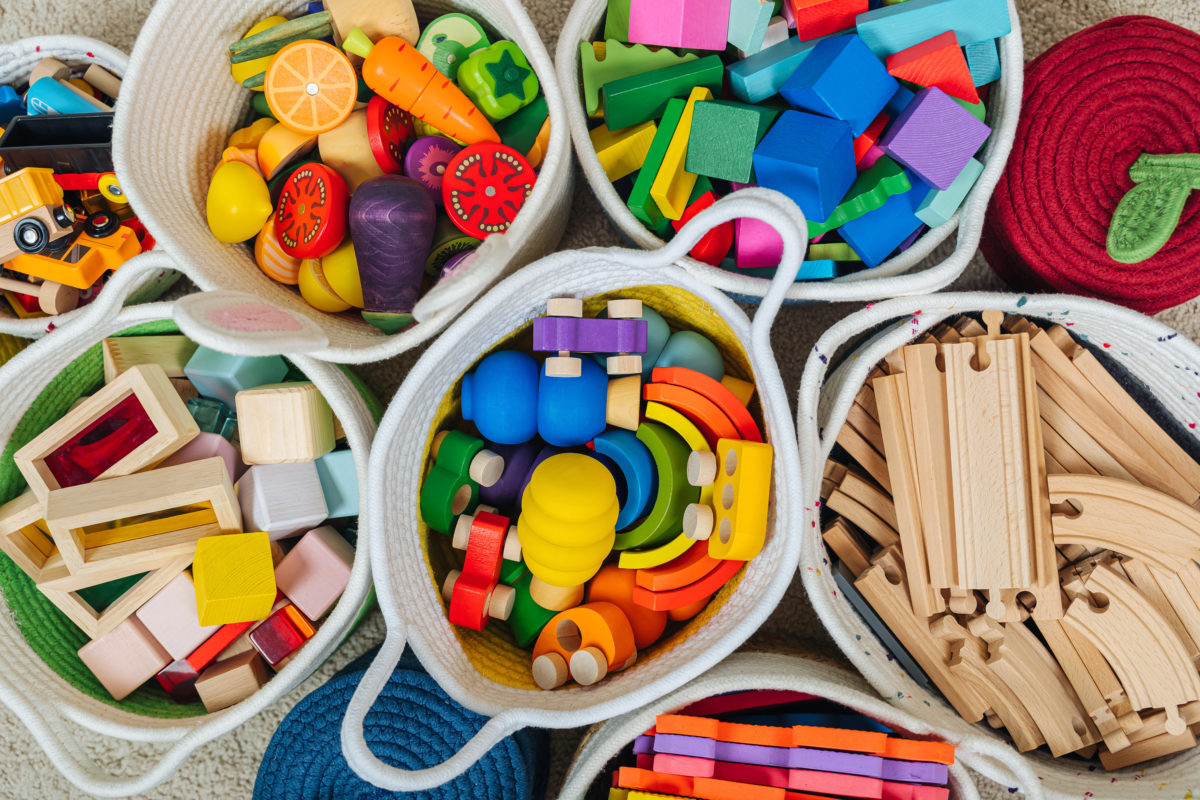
[(983, 59), (842, 79), (339, 483), (221, 376), (845, 583), (810, 159), (890, 29), (876, 235), (757, 77), (900, 100), (820, 269), (11, 105), (942, 204), (748, 21)]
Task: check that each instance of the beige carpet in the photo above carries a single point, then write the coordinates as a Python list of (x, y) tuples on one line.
[(226, 768)]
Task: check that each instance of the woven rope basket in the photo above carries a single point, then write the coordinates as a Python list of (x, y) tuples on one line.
[(179, 107), (42, 680), (1167, 367), (891, 278)]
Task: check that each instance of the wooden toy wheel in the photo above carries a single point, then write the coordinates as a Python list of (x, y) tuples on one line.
[(563, 367), (311, 86)]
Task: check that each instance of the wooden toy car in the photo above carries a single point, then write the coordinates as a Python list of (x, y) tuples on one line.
[(32, 213), (78, 147), (564, 329), (103, 245)]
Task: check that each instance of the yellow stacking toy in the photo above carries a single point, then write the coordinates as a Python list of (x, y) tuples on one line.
[(740, 476)]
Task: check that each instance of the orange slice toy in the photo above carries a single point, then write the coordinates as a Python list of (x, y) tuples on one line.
[(311, 86)]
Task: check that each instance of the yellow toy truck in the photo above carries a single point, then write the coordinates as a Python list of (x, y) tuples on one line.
[(32, 212)]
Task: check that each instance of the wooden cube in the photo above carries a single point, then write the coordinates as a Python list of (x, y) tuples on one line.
[(131, 424), (125, 658), (284, 422), (231, 680), (169, 352), (220, 376), (339, 483), (24, 536), (207, 445), (282, 499), (234, 576), (74, 514), (172, 618), (316, 571)]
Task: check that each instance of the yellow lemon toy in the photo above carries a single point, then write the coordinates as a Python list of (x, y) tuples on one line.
[(239, 203)]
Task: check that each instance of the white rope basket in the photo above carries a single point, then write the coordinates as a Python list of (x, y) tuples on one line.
[(17, 60), (751, 672), (891, 278), (49, 706), (1168, 366), (408, 596), (179, 106)]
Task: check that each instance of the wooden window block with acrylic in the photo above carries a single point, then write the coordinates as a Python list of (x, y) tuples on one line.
[(234, 576), (169, 352), (314, 573), (231, 680), (172, 618), (125, 658), (24, 536), (282, 499), (284, 422)]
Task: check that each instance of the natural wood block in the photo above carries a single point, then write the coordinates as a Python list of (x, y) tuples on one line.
[(234, 577), (377, 18), (314, 573), (231, 680), (284, 422), (282, 499), (24, 536), (125, 658), (169, 352), (172, 618), (100, 78), (131, 424)]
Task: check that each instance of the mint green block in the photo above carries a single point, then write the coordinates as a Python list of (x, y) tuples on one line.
[(941, 205)]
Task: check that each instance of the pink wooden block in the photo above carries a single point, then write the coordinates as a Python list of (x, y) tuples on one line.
[(694, 24), (786, 10), (207, 445), (868, 160), (171, 618), (758, 244), (124, 658), (316, 571)]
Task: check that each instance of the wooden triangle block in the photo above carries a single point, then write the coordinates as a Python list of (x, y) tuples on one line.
[(936, 62)]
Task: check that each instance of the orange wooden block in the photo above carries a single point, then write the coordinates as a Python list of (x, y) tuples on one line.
[(706, 414), (936, 62), (864, 143), (690, 594), (679, 572), (715, 391)]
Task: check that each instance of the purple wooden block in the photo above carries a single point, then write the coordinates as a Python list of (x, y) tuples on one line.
[(589, 335), (505, 494), (935, 137), (643, 744)]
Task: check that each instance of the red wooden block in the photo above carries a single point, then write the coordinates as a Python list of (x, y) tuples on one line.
[(706, 415), (715, 391), (688, 568), (692, 593), (936, 62), (815, 18), (281, 634), (864, 143), (714, 245)]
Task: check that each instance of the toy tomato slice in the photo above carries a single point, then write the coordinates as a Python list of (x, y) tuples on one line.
[(388, 128), (310, 219), (485, 186)]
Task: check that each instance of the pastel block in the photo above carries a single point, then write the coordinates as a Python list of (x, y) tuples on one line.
[(170, 352), (815, 18), (171, 617), (777, 32), (748, 21), (934, 137), (220, 376), (234, 577), (640, 98), (842, 79), (762, 75), (207, 445), (983, 59), (692, 24), (640, 203), (313, 574), (610, 60), (124, 658), (940, 205), (282, 499), (890, 29), (936, 62), (339, 483), (876, 235), (723, 137), (759, 245), (810, 159), (622, 152)]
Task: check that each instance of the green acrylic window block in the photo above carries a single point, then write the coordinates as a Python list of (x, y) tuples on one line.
[(724, 135), (499, 80)]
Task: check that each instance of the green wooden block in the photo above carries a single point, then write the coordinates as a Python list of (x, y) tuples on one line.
[(527, 618), (605, 62), (870, 191), (103, 595), (640, 98), (521, 129), (616, 21), (979, 110), (724, 135), (831, 251), (640, 202)]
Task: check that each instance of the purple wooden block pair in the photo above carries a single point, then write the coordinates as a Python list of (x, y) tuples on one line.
[(589, 335)]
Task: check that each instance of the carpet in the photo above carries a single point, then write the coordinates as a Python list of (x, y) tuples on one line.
[(226, 767)]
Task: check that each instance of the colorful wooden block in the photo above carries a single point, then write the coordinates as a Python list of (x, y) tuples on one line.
[(864, 146), (816, 18), (500, 397), (870, 191), (461, 465), (169, 352), (673, 185), (759, 245), (697, 592), (96, 525), (125, 658), (282, 499), (171, 617), (179, 677), (573, 410), (314, 572), (723, 137), (760, 76), (640, 203), (24, 536), (622, 152), (900, 100), (220, 376), (714, 245), (777, 31), (527, 619), (234, 578), (474, 593), (808, 158), (890, 29), (281, 634), (563, 334), (673, 493), (934, 137), (940, 205), (231, 680), (131, 424), (616, 20), (748, 21), (691, 24), (640, 98), (284, 422), (209, 445), (983, 59), (876, 235), (611, 60), (936, 62), (339, 483), (842, 79)]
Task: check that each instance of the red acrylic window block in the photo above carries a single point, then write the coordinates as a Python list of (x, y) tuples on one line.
[(281, 634), (179, 680), (120, 431)]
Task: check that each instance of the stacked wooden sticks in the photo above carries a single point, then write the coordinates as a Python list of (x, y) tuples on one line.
[(1024, 535)]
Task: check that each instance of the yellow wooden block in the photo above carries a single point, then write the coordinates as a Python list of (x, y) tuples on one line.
[(283, 423), (235, 578), (742, 390), (673, 185), (741, 495), (623, 151)]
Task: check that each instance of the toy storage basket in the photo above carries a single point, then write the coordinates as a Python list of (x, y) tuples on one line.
[(17, 60), (485, 671), (1168, 367), (751, 672), (889, 279), (180, 105), (42, 681)]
